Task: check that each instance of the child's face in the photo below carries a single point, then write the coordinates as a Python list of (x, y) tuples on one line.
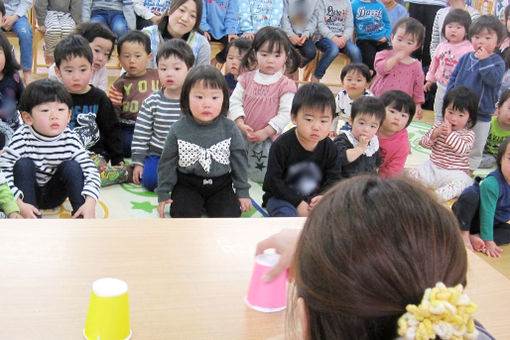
[(101, 48), (172, 71), (75, 74), (485, 39), (455, 32), (183, 19), (2, 60), (458, 119), (504, 115), (49, 119), (365, 125), (395, 120), (404, 42), (205, 102), (233, 63), (270, 62), (355, 84), (134, 58), (312, 125)]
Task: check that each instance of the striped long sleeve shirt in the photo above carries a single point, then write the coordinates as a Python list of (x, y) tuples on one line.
[(154, 120), (48, 153)]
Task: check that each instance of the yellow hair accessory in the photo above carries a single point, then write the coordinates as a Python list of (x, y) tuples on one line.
[(443, 312)]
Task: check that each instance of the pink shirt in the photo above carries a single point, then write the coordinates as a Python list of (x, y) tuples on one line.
[(404, 77), (394, 151), (445, 58)]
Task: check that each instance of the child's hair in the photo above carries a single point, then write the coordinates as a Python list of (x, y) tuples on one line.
[(490, 23), (136, 37), (503, 98), (411, 26), (276, 39), (356, 68), (242, 44), (462, 99), (177, 48), (460, 16), (93, 30), (400, 101), (174, 5), (501, 151), (71, 47), (357, 271), (2, 8), (313, 96), (210, 77), (44, 91), (368, 105), (11, 64), (507, 14)]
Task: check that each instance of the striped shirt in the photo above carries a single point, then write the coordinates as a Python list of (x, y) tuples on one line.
[(48, 153), (450, 152), (154, 120)]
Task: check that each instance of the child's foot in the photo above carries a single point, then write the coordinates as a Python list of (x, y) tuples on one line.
[(477, 242), (467, 240), (27, 77), (314, 79)]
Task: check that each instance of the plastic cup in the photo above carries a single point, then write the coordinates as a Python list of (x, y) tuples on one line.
[(108, 315), (263, 296)]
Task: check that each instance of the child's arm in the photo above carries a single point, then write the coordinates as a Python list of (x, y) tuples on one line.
[(282, 118), (167, 171), (431, 74), (204, 25), (92, 180), (143, 133), (7, 201), (322, 28), (41, 9), (87, 209), (428, 140), (453, 76), (245, 23), (435, 36), (239, 166), (109, 129), (387, 24), (276, 13), (355, 152), (492, 70), (418, 94), (86, 9), (231, 19), (460, 143), (236, 109), (116, 97), (27, 210), (384, 61), (489, 193), (76, 7)]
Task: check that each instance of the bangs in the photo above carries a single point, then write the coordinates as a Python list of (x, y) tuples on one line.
[(272, 45)]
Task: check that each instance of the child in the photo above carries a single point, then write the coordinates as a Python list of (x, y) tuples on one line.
[(355, 81), (372, 28), (45, 162), (481, 71), (129, 91), (447, 54), (236, 50), (118, 15), (204, 156), (395, 10), (335, 27), (101, 41), (7, 203), (359, 148), (303, 162), (93, 117), (260, 104), (56, 20), (447, 170), (483, 209), (394, 144), (396, 69), (11, 88), (254, 15), (499, 131), (159, 111), (149, 12)]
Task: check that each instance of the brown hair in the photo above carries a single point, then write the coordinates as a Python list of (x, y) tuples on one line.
[(174, 5), (368, 249)]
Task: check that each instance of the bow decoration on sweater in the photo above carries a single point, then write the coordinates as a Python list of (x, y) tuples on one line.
[(190, 153)]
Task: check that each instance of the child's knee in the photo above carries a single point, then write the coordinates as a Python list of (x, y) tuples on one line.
[(25, 166)]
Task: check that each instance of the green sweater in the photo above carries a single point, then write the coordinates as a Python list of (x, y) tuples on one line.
[(496, 137), (7, 202)]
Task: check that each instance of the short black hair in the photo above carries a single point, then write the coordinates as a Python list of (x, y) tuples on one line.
[(2, 7), (503, 98), (210, 77), (93, 30), (400, 101), (411, 26), (462, 99), (11, 64), (368, 105), (44, 91), (357, 68), (501, 151), (136, 37), (489, 23), (242, 44), (178, 48), (72, 46), (457, 15), (313, 95)]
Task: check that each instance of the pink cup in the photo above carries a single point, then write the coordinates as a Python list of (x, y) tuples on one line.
[(267, 297)]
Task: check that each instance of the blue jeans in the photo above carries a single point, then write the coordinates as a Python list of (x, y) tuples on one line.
[(126, 133), (67, 181), (113, 19), (150, 173), (307, 51), (24, 33), (330, 51), (280, 208)]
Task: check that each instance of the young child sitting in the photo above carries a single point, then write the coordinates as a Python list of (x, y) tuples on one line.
[(129, 91), (303, 162), (93, 117), (45, 162), (236, 50), (159, 111), (355, 81), (447, 170), (204, 157), (483, 209), (7, 202), (499, 131), (359, 148), (393, 139)]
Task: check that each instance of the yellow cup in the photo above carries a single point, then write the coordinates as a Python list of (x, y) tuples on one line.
[(108, 315)]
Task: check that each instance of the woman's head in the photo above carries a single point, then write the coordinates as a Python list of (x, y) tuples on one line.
[(8, 64), (181, 17), (368, 249), (456, 25)]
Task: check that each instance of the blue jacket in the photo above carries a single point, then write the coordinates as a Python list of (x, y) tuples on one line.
[(371, 20), (220, 17)]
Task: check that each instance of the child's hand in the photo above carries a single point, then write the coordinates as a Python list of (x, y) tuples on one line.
[(339, 41), (245, 204), (15, 215), (426, 87), (27, 210), (303, 209), (482, 53), (302, 39), (419, 111), (248, 35), (383, 40), (332, 134), (137, 174), (87, 209), (446, 128), (294, 39), (246, 129), (42, 29), (207, 36), (492, 250), (161, 207), (363, 142), (232, 37), (258, 136), (314, 202)]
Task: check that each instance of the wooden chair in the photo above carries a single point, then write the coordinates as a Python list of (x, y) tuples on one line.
[(307, 71)]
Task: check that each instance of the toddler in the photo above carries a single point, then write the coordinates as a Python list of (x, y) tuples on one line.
[(236, 50), (256, 14), (499, 131), (118, 15)]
